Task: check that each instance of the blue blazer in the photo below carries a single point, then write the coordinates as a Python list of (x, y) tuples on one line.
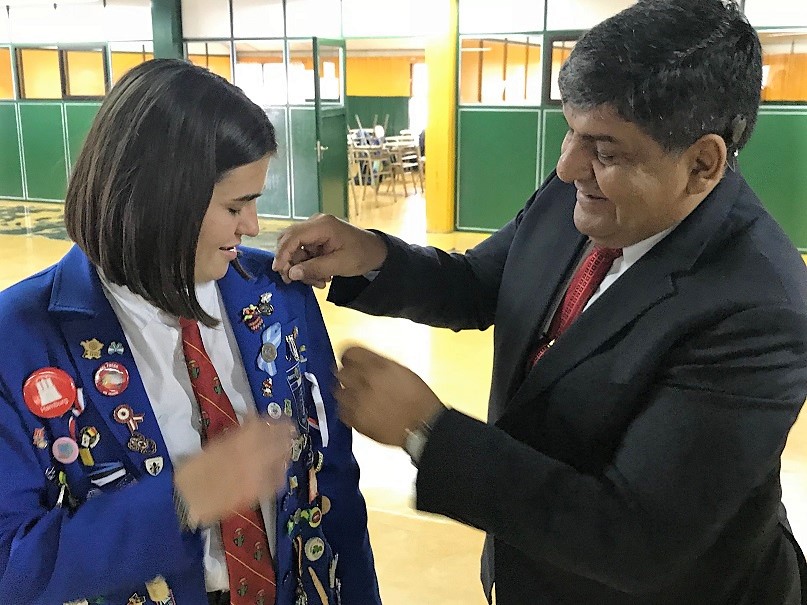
[(101, 531)]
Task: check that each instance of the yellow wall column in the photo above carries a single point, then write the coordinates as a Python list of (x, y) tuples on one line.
[(441, 131)]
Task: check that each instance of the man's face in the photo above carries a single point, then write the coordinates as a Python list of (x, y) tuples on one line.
[(628, 187)]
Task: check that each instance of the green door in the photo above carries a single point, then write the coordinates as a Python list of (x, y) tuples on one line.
[(331, 125)]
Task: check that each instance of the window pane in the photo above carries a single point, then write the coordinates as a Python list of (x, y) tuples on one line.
[(561, 49), (374, 18), (500, 69), (775, 13), (128, 20), (84, 71), (206, 18), (330, 73), (6, 81), (125, 55), (5, 32), (321, 18), (257, 18), (33, 24), (215, 56), (260, 72), (582, 14), (301, 72), (476, 16), (79, 23), (784, 70), (39, 75)]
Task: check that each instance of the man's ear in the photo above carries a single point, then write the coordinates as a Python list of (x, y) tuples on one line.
[(707, 159)]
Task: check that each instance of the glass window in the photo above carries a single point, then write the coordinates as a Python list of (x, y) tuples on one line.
[(330, 73), (500, 69), (33, 24), (258, 18), (260, 71), (6, 79), (561, 49), (125, 55), (79, 23), (215, 56), (85, 73), (784, 66), (127, 20), (372, 18), (581, 14), (321, 18), (301, 72), (206, 18), (5, 32), (39, 73), (776, 13), (477, 16)]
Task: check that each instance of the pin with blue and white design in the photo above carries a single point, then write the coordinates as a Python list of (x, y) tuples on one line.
[(271, 339)]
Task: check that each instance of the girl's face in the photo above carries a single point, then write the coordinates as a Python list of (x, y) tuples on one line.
[(230, 214)]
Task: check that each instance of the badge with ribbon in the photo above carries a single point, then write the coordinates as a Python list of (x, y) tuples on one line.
[(271, 339)]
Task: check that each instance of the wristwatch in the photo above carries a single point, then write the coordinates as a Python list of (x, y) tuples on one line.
[(416, 439)]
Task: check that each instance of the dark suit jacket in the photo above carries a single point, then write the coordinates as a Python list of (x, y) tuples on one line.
[(638, 461)]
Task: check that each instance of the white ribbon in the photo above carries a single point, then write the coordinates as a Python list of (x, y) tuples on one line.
[(322, 419)]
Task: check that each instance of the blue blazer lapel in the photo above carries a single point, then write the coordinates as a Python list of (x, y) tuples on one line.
[(83, 315)]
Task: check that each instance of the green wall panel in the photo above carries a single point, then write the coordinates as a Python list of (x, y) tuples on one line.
[(304, 162), (497, 159), (555, 128), (774, 162), (79, 120), (379, 107), (43, 150), (10, 161), (275, 201)]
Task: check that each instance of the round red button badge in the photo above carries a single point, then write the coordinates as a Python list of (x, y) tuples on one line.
[(49, 392), (111, 378)]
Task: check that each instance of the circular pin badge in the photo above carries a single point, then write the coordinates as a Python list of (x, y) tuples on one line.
[(111, 378), (314, 549), (268, 352), (274, 410), (315, 517), (326, 505), (65, 450), (49, 392)]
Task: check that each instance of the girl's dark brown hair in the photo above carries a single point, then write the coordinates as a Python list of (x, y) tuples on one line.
[(163, 137)]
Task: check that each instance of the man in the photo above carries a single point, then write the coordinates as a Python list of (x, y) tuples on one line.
[(650, 338)]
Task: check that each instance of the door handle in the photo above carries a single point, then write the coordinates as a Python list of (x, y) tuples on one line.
[(320, 150)]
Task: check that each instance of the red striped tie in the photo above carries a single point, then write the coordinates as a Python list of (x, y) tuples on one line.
[(583, 285), (249, 560)]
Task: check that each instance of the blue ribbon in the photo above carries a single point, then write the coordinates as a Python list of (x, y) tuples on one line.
[(272, 336)]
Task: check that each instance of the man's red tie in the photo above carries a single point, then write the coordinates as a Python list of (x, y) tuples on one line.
[(249, 560), (584, 283)]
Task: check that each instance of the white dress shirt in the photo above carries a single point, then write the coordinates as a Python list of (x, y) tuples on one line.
[(630, 255), (155, 339)]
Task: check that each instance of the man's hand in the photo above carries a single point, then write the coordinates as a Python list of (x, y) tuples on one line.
[(381, 398), (324, 246), (235, 470)]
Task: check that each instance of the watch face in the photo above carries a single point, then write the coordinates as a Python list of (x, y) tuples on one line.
[(414, 443)]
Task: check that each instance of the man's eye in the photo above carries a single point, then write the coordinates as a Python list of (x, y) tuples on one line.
[(604, 157), (234, 211)]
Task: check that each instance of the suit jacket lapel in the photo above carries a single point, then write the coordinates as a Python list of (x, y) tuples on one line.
[(649, 281), (83, 313)]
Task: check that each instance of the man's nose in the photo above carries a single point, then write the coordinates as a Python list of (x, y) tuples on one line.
[(574, 163)]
